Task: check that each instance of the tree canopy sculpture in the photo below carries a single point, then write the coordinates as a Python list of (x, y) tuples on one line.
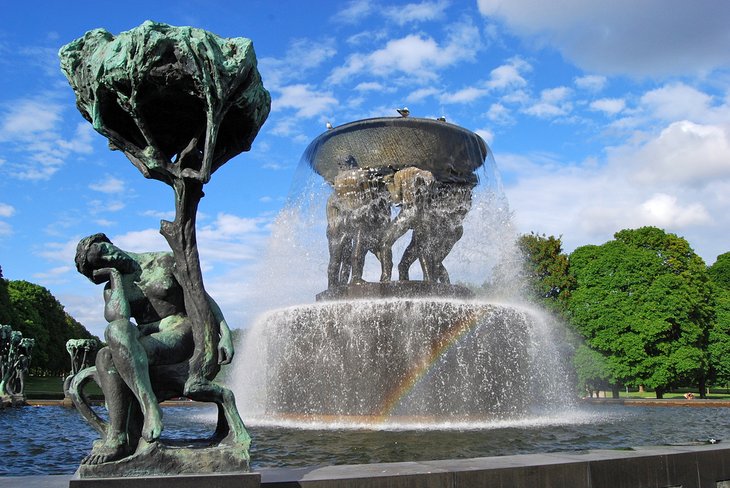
[(179, 102)]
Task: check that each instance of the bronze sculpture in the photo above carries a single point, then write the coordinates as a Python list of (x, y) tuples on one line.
[(179, 102), (425, 169)]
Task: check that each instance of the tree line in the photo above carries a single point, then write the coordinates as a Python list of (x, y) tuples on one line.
[(34, 311), (646, 310)]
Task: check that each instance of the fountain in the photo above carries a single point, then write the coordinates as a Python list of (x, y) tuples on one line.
[(385, 353)]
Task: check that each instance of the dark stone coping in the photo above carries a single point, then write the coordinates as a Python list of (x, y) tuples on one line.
[(395, 289), (691, 466)]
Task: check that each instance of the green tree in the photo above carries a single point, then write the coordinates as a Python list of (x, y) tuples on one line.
[(592, 370), (644, 301), (719, 347), (39, 315), (6, 309), (548, 280)]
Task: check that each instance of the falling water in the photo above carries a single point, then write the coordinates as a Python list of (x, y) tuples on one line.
[(395, 361)]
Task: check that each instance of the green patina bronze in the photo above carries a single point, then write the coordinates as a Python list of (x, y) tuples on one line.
[(15, 356), (179, 102)]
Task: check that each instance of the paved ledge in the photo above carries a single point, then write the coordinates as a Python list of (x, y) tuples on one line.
[(704, 466)]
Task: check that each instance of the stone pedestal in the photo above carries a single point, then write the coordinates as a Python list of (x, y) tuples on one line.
[(12, 401), (164, 460)]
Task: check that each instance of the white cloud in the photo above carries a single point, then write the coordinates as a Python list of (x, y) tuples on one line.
[(416, 12), (302, 56), (610, 106), (109, 184), (465, 95), (684, 153), (509, 75), (593, 83), (81, 143), (354, 12), (418, 56), (678, 101), (677, 178), (305, 100), (5, 229), (31, 129), (663, 210), (27, 118), (6, 210), (422, 93), (553, 103), (651, 37), (485, 134), (147, 240), (369, 86), (499, 113)]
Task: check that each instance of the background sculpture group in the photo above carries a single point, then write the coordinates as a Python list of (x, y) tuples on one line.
[(359, 221), (15, 356)]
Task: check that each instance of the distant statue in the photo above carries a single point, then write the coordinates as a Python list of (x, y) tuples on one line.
[(411, 189), (16, 356), (358, 212), (147, 362), (82, 353), (439, 230)]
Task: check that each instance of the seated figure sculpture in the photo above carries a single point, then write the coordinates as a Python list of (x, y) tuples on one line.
[(140, 287)]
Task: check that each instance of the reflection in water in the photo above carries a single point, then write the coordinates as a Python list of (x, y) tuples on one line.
[(52, 440)]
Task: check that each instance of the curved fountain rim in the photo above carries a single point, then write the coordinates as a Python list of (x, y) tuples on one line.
[(388, 121), (521, 307)]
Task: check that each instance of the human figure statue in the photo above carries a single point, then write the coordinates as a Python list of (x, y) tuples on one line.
[(81, 352), (141, 287), (21, 367), (6, 332), (340, 235), (12, 351), (358, 211), (441, 230), (411, 189)]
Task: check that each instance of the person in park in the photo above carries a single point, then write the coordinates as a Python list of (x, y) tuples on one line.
[(147, 327)]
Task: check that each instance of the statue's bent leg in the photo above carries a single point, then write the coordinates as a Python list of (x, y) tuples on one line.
[(201, 390), (410, 255), (132, 364), (397, 227), (120, 440)]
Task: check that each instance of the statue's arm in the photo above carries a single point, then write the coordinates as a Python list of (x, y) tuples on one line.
[(225, 343), (116, 303)]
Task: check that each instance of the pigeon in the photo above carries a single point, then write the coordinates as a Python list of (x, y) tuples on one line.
[(441, 119), (404, 112), (328, 125)]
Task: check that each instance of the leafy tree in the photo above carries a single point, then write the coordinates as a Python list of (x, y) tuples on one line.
[(6, 309), (719, 347), (39, 315), (644, 301), (546, 270), (592, 370), (720, 271)]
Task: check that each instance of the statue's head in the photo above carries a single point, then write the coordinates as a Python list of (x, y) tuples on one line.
[(83, 264)]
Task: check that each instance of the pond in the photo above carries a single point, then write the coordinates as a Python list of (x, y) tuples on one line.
[(52, 440)]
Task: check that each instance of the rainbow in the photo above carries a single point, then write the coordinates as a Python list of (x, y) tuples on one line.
[(438, 348)]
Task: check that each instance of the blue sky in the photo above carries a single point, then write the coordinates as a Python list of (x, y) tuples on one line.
[(601, 116)]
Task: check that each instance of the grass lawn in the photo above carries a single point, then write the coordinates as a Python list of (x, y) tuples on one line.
[(719, 395), (51, 388)]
